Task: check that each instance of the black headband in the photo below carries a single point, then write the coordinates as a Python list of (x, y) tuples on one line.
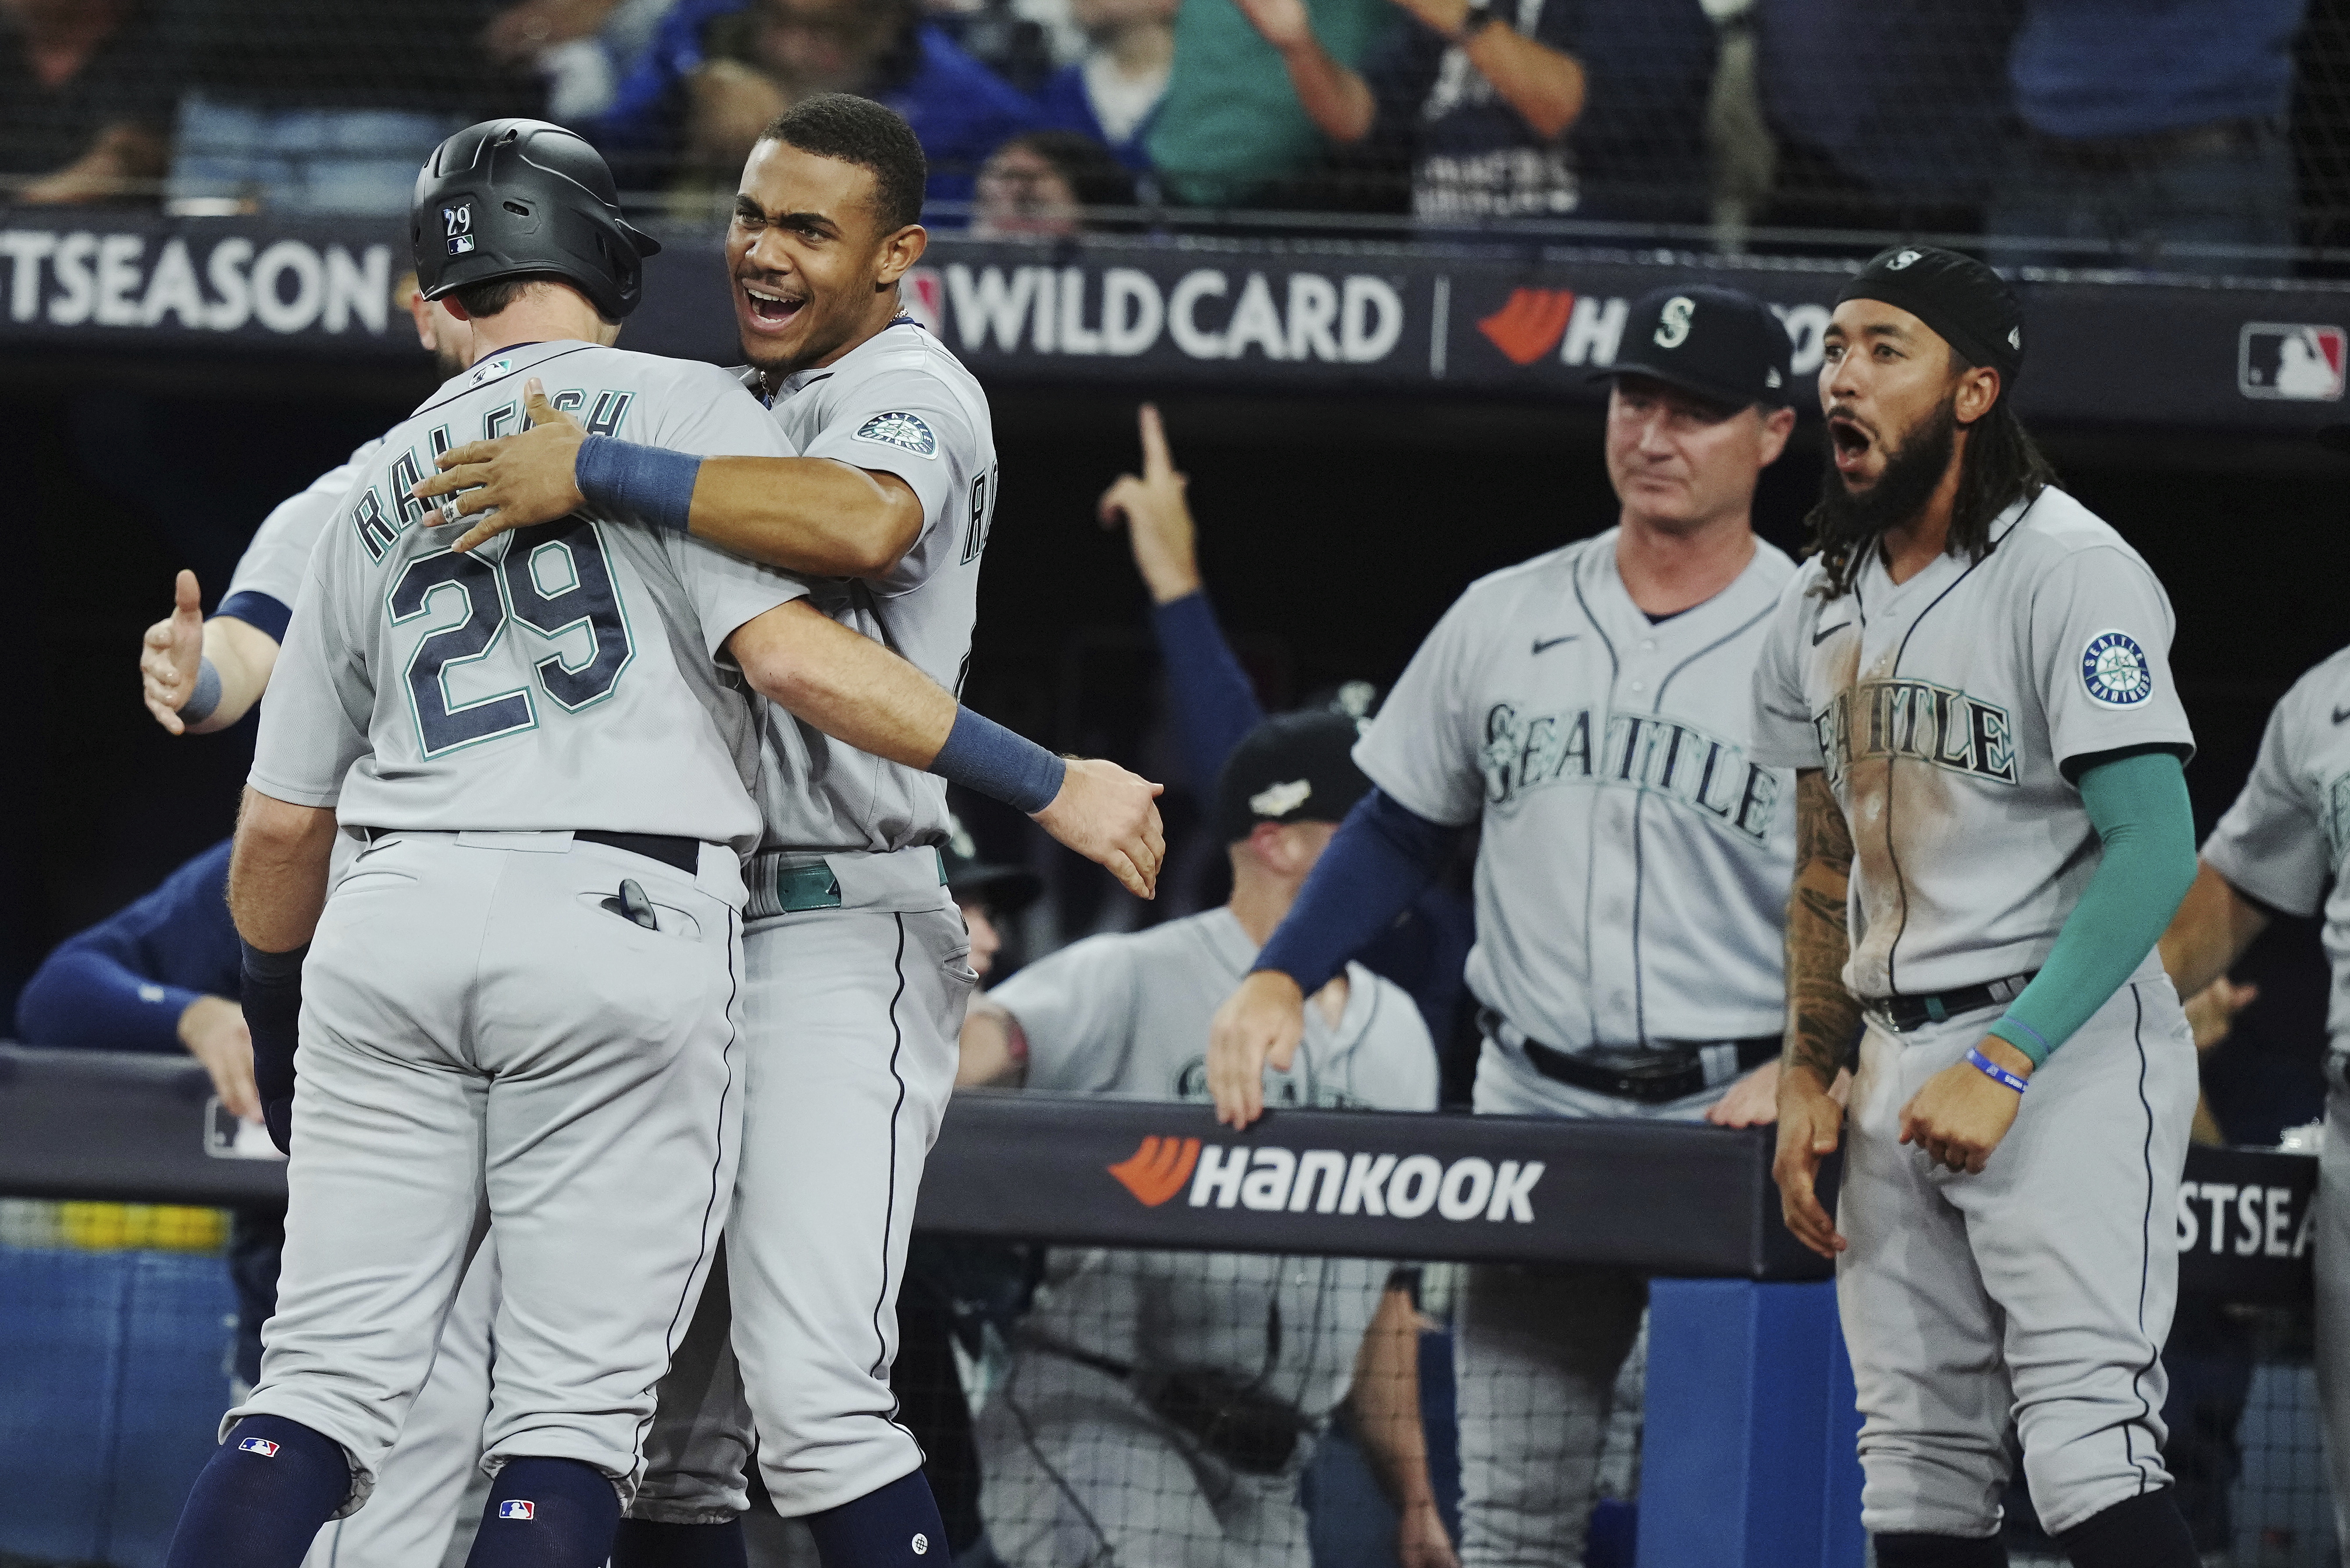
[(1959, 298)]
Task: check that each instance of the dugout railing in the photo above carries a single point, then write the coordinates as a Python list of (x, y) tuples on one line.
[(1747, 1457)]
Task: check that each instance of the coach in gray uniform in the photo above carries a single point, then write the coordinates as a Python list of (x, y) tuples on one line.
[(1085, 1453), (857, 975), (1588, 707), (2283, 847)]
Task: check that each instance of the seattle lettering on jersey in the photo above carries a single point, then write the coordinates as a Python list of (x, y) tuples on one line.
[(1646, 752), (379, 523), (1917, 719)]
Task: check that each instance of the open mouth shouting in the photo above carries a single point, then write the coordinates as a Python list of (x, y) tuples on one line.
[(769, 308), (1852, 441)]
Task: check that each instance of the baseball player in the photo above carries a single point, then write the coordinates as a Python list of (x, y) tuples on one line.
[(1970, 676), (199, 674), (2281, 848), (1086, 1454), (1587, 708), (857, 977)]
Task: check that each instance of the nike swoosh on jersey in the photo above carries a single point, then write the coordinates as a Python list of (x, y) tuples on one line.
[(1820, 636), (1544, 645)]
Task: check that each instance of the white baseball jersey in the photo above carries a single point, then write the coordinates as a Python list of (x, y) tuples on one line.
[(2286, 840), (1129, 1013), (897, 403), (1632, 875), (561, 677), (276, 563), (1951, 713)]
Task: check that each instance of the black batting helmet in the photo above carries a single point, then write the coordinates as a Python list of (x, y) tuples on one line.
[(512, 196)]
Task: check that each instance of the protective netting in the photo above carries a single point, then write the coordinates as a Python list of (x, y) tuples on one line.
[(1096, 1406), (2202, 135)]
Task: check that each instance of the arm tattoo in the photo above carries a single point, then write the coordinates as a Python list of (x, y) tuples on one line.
[(1821, 1015)]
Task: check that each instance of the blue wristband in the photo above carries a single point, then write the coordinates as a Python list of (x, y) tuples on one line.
[(651, 484), (983, 755), (1991, 1069), (205, 697)]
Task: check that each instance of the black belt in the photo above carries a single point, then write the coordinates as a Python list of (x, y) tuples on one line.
[(1650, 1074), (669, 848), (1903, 1013)]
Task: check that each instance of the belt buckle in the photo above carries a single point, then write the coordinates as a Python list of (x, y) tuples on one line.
[(800, 888)]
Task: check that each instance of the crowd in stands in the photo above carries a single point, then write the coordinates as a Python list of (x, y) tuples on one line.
[(2111, 124)]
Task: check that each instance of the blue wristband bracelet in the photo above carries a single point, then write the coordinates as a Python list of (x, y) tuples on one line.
[(1991, 1069), (206, 695), (651, 484), (984, 755)]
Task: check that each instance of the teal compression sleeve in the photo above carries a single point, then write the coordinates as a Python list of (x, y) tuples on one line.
[(2139, 808)]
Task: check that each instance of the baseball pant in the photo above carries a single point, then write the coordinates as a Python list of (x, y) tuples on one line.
[(430, 1488), (1076, 1471), (2030, 1301), (1537, 1352), (482, 1034), (851, 1018), (2332, 1266)]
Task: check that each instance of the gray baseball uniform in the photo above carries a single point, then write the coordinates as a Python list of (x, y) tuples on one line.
[(276, 563), (856, 985), (1075, 1467), (547, 1048), (1631, 887), (2031, 1299), (2285, 843)]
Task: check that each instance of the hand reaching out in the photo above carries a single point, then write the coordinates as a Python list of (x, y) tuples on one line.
[(170, 653), (1158, 516)]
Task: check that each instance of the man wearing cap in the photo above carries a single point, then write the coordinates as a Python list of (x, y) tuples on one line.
[(1094, 1449), (1970, 676), (1588, 707)]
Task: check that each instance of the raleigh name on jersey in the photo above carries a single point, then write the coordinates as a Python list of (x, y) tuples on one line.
[(561, 677), (2286, 840), (1632, 876), (899, 403), (1946, 712)]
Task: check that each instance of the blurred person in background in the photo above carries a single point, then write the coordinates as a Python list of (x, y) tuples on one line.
[(1100, 1445), (2148, 124), (1018, 47), (1231, 130), (1114, 92), (1910, 144), (1216, 707), (578, 48), (1039, 186), (1478, 97), (314, 107), (719, 71), (80, 83)]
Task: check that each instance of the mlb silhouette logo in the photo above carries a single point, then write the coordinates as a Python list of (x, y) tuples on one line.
[(516, 1510), (2292, 362), (457, 223), (262, 1445)]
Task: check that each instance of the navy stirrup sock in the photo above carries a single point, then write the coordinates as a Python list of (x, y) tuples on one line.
[(2142, 1531), (1905, 1550), (649, 1543), (546, 1513), (260, 1498), (895, 1526)]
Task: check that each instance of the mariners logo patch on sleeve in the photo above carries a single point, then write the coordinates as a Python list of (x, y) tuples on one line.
[(905, 431), (2114, 669)]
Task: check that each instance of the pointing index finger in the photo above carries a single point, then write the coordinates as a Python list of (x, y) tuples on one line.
[(1156, 463)]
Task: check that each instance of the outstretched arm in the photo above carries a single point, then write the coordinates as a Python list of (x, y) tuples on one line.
[(813, 516), (1821, 1015), (1335, 98), (857, 692), (184, 697)]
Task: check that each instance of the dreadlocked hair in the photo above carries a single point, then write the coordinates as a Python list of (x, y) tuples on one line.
[(2002, 464)]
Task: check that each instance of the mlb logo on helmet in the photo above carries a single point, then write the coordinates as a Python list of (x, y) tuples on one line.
[(2296, 362), (514, 1508), (457, 223), (262, 1445)]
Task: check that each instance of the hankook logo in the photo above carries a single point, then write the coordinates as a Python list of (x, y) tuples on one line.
[(1330, 1181)]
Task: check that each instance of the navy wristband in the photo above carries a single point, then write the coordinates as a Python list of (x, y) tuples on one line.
[(1991, 1069), (651, 484), (981, 754), (205, 697)]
